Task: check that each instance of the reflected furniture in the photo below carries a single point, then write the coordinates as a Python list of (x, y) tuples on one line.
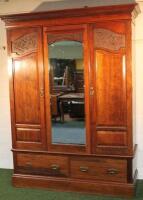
[(55, 109), (105, 164), (77, 110), (79, 81), (70, 98), (61, 71)]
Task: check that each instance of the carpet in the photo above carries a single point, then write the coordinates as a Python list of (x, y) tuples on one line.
[(8, 192), (69, 132)]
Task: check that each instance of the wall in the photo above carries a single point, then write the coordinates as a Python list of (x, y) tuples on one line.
[(5, 129), (5, 133), (139, 90)]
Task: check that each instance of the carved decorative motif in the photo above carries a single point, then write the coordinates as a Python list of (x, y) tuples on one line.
[(25, 44), (66, 36), (107, 39)]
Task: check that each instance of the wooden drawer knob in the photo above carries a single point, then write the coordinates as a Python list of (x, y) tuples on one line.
[(84, 169), (112, 171), (28, 164), (55, 167)]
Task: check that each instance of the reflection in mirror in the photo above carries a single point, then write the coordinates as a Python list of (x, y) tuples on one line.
[(67, 92)]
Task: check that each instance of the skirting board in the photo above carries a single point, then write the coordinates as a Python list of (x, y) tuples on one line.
[(76, 185)]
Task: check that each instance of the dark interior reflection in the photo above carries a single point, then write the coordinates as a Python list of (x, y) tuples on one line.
[(67, 92)]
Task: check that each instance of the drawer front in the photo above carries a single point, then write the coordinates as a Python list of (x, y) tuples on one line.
[(42, 164), (100, 169)]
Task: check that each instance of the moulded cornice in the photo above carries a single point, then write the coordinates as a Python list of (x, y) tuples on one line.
[(79, 12)]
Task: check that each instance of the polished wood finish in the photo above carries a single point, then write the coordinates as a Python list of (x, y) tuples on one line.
[(47, 165), (26, 88), (81, 12), (25, 80), (104, 165), (115, 138), (75, 185), (110, 89), (110, 71), (99, 169)]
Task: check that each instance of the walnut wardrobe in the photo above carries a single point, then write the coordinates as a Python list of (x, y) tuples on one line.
[(71, 99)]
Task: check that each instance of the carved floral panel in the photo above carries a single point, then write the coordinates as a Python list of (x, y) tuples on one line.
[(106, 39), (65, 36), (25, 44)]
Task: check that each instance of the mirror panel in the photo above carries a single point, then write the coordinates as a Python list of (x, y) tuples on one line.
[(67, 104)]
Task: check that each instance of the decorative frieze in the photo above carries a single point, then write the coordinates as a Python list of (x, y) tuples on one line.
[(106, 39), (25, 44), (66, 36)]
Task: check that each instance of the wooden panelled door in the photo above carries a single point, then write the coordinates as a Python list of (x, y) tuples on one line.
[(27, 88), (67, 47), (109, 100)]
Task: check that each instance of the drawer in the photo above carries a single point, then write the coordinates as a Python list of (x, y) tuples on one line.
[(42, 164), (99, 169)]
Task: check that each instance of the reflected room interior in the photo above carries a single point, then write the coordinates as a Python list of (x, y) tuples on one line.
[(67, 92)]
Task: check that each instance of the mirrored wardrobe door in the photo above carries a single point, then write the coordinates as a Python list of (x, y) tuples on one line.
[(66, 90)]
